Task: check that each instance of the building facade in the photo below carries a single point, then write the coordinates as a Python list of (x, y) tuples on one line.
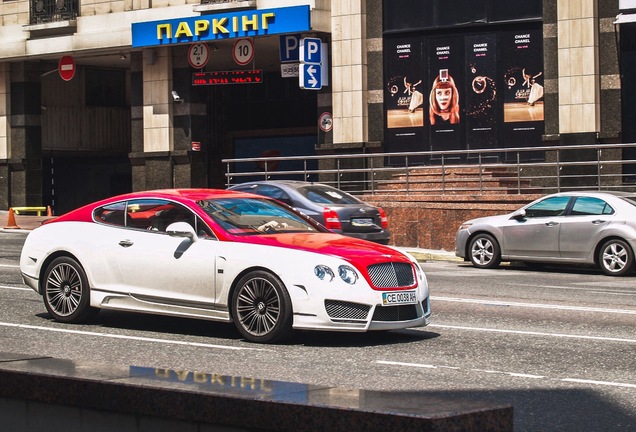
[(101, 97)]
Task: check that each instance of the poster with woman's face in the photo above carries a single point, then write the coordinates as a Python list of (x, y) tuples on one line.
[(481, 91), (444, 97)]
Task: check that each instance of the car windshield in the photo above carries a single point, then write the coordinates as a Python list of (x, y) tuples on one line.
[(252, 216), (323, 194)]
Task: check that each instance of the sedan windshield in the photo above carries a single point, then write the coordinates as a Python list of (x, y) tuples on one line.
[(250, 216)]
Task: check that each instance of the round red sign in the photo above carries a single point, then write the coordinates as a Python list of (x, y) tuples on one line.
[(66, 67)]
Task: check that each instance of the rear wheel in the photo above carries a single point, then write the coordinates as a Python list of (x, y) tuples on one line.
[(616, 257), (484, 251), (261, 308), (66, 292)]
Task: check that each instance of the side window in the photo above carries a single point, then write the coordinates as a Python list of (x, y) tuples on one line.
[(591, 206), (113, 214), (554, 206)]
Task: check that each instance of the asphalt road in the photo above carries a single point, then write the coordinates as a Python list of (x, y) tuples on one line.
[(557, 344)]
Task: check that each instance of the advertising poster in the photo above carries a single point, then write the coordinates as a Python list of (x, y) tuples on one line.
[(481, 91), (404, 94), (522, 87), (444, 98)]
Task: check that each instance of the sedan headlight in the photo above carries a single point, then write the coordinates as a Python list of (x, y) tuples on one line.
[(323, 272), (348, 274), (465, 225)]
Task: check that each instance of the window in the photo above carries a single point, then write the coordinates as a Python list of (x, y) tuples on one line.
[(554, 206), (591, 206), (113, 214), (327, 195)]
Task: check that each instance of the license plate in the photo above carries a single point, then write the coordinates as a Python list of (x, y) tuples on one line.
[(400, 297), (362, 222)]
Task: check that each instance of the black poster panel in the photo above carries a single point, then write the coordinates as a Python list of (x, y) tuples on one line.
[(404, 89), (522, 87), (404, 15), (506, 10), (481, 91), (444, 98), (460, 12)]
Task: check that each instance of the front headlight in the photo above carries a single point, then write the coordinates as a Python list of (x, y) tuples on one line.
[(323, 272), (465, 225), (347, 274)]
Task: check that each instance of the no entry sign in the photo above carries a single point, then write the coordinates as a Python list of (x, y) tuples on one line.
[(66, 67)]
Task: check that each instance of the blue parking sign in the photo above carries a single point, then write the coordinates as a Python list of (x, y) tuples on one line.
[(310, 76), (311, 51)]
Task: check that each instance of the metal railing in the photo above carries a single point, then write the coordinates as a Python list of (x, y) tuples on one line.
[(524, 170)]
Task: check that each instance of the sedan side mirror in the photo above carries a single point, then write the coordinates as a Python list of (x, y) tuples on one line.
[(181, 229), (519, 214)]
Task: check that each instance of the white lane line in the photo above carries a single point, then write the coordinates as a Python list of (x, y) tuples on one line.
[(606, 289), (532, 333), (533, 305), (136, 338), (15, 288), (10, 265), (510, 374), (606, 383)]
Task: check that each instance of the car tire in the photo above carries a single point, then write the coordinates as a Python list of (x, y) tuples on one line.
[(66, 292), (261, 308), (484, 252), (616, 257)]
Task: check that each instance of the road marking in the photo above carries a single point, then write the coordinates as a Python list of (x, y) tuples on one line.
[(592, 290), (15, 288), (534, 305), (10, 265), (511, 374), (533, 333), (607, 383), (136, 338)]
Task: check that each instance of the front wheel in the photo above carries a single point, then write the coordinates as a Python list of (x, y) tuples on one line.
[(66, 292), (616, 257), (484, 251), (261, 308)]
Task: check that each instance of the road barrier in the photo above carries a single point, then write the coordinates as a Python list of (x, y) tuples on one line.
[(38, 210)]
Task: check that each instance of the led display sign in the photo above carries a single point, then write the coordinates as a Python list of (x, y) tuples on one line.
[(227, 77)]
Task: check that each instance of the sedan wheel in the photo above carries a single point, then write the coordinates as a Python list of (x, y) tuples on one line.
[(261, 308), (66, 292), (616, 258), (484, 251)]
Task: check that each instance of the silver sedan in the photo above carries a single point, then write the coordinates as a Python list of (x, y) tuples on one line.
[(596, 228)]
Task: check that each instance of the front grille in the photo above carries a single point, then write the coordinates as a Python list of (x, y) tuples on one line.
[(390, 275), (346, 311), (395, 313)]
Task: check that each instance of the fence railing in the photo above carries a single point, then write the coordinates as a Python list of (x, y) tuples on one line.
[(523, 170)]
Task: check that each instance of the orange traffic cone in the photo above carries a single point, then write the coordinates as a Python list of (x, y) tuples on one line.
[(48, 211), (11, 222)]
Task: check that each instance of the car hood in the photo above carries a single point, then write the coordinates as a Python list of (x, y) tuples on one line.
[(349, 248), (490, 220)]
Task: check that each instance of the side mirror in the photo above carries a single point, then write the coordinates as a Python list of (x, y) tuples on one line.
[(181, 229), (519, 214)]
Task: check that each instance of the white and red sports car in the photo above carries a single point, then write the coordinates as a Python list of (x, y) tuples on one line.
[(224, 256)]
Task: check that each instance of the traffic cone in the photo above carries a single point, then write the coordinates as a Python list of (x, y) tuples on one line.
[(11, 222), (48, 211)]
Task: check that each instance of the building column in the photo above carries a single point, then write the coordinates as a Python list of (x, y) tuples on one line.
[(5, 134), (349, 73), (579, 82), (24, 139)]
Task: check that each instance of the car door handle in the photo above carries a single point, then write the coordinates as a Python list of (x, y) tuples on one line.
[(598, 222), (125, 243), (551, 224)]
